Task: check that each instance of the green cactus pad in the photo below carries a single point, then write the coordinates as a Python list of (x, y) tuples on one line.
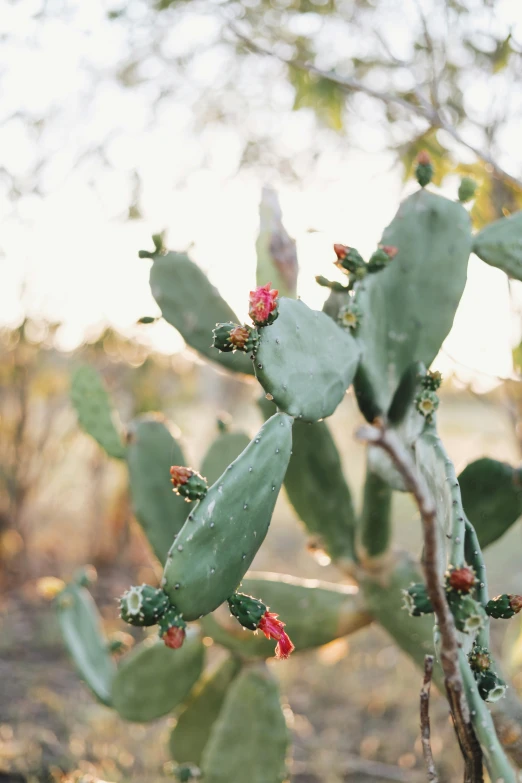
[(249, 740), (221, 536), (305, 362), (193, 306), (94, 410), (492, 497), (150, 453), (153, 679), (224, 450), (500, 245), (315, 613), (191, 732), (80, 624), (276, 253), (408, 308)]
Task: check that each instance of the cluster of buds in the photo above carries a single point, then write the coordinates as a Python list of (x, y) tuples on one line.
[(263, 305), (490, 686), (381, 258), (416, 600), (229, 337), (504, 606), (254, 615), (350, 316), (143, 605), (424, 169), (188, 483), (172, 628), (468, 614)]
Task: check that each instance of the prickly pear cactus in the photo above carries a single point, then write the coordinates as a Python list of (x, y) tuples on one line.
[(222, 534), (500, 245), (224, 450), (305, 362), (151, 451), (251, 726), (81, 628), (95, 412), (193, 306), (152, 680)]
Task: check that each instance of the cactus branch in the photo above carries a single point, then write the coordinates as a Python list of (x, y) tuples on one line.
[(473, 554), (425, 720), (375, 531), (449, 648)]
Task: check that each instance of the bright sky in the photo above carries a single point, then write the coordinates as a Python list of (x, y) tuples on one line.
[(69, 255)]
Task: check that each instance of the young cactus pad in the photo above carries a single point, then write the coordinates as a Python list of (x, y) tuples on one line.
[(150, 453), (305, 362), (224, 450), (192, 730), (408, 308), (500, 245), (315, 613), (152, 680), (94, 409), (249, 740), (193, 306), (225, 530), (80, 624)]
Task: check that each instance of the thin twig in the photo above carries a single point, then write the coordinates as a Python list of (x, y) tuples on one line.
[(425, 720), (449, 648), (423, 108)]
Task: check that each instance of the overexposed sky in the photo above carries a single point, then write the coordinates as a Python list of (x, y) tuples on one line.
[(69, 254)]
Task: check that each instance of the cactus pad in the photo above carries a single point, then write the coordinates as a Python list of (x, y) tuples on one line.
[(221, 536), (192, 730), (224, 450), (80, 624), (408, 308), (152, 680), (150, 453), (251, 728), (193, 306), (305, 362), (500, 245), (95, 413)]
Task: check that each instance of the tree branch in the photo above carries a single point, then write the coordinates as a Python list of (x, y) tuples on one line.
[(425, 720)]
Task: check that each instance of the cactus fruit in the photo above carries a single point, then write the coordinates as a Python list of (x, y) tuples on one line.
[(490, 686), (143, 605), (200, 712), (224, 450), (276, 253), (467, 189), (424, 169), (492, 497), (479, 658), (504, 606), (172, 628), (221, 536), (263, 303), (251, 722), (500, 245), (233, 337), (80, 624), (94, 410), (350, 316), (150, 452), (349, 260), (468, 614), (152, 680), (433, 238), (188, 483), (254, 615), (305, 362), (381, 258), (192, 305), (416, 600), (461, 580), (315, 613)]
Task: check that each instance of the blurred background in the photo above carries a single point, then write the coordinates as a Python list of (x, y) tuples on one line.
[(119, 120)]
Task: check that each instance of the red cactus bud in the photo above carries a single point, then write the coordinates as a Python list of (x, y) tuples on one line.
[(273, 629), (462, 579), (180, 475), (515, 602), (174, 637), (423, 158), (239, 336), (263, 303), (341, 251), (390, 250)]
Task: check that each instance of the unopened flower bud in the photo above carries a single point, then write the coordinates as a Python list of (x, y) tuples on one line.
[(188, 483), (233, 337), (424, 170)]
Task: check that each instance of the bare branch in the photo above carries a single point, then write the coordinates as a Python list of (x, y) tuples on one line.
[(425, 720), (449, 648), (422, 108)]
